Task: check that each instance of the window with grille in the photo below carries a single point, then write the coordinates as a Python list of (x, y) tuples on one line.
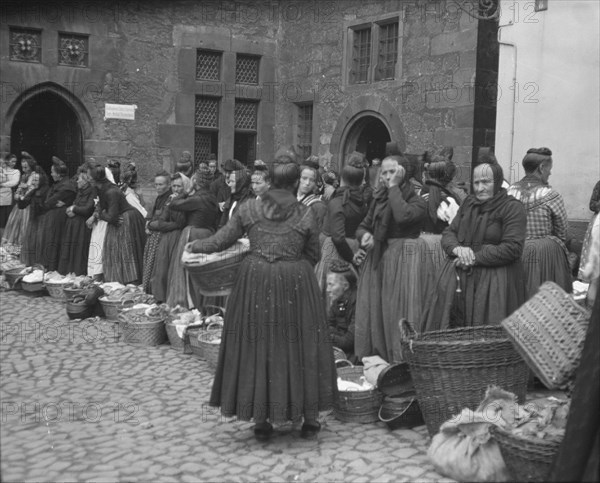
[(25, 45), (387, 51), (73, 50), (361, 56), (304, 129), (245, 122), (246, 69), (206, 136), (208, 65)]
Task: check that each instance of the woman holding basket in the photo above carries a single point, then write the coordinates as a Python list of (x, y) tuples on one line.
[(276, 361)]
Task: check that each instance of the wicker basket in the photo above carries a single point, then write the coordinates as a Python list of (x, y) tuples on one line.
[(401, 412), (356, 406), (139, 329), (33, 287), (78, 309), (56, 290), (178, 343), (71, 292), (526, 459), (549, 332), (111, 308), (13, 278), (451, 369), (195, 346), (210, 350)]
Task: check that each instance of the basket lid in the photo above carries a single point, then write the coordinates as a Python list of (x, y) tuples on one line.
[(395, 380)]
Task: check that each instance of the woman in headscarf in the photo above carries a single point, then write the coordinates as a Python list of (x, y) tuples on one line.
[(397, 271), (345, 211), (18, 220), (545, 255), (239, 184), (261, 182), (443, 200), (98, 226), (169, 223), (276, 361), (76, 242), (123, 251), (309, 188), (483, 280), (162, 184), (60, 196), (201, 211), (33, 198)]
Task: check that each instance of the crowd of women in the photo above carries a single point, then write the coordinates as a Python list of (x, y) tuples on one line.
[(376, 243)]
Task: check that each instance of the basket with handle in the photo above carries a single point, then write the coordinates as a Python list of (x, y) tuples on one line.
[(451, 369), (179, 343), (13, 277), (210, 340), (549, 332), (35, 287), (356, 406), (527, 459), (401, 412), (56, 290), (198, 348), (141, 329)]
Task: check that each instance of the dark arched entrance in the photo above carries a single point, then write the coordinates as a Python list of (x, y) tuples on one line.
[(45, 125), (367, 135)]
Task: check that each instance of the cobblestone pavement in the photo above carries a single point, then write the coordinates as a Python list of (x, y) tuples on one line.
[(78, 405)]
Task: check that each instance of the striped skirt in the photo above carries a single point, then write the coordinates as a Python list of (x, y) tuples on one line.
[(16, 226), (123, 252), (545, 260), (149, 259)]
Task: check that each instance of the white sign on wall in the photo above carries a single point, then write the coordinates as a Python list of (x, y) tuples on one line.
[(119, 111)]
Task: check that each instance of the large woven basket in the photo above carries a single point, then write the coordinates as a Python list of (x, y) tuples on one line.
[(526, 459), (13, 277), (549, 332), (77, 308), (451, 369), (356, 406), (56, 290), (111, 308), (33, 287), (195, 346), (210, 349), (139, 329)]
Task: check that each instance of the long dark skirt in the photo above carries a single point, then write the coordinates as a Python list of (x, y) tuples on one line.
[(149, 258), (275, 361), (487, 296), (395, 289), (76, 247), (52, 231), (545, 260), (165, 254), (123, 252), (31, 249)]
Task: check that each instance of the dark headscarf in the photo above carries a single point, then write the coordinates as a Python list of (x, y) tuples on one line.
[(440, 173)]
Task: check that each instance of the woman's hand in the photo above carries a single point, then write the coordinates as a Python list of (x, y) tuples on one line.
[(222, 205), (69, 211), (359, 257), (90, 221), (465, 256), (367, 241), (60, 204), (189, 247), (398, 177)]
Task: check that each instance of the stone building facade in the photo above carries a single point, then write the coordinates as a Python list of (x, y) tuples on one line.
[(240, 78)]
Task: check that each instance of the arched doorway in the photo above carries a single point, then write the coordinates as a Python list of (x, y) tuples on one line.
[(367, 135), (45, 125)]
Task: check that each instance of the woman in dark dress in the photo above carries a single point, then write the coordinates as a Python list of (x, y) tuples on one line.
[(345, 210), (276, 361), (61, 195), (162, 184), (239, 183), (123, 251), (34, 197), (398, 270), (169, 224), (201, 211), (76, 242), (483, 280)]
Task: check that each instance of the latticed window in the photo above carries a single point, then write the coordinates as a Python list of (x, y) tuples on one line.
[(245, 115), (246, 69), (73, 50), (205, 143), (361, 56), (208, 65), (207, 112), (388, 51), (305, 122), (25, 45)]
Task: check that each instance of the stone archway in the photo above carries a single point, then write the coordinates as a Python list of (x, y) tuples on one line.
[(357, 125), (47, 120)]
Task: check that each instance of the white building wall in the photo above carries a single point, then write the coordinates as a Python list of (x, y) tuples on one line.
[(549, 93)]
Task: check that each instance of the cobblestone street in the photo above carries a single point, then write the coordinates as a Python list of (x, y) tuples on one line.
[(78, 405)]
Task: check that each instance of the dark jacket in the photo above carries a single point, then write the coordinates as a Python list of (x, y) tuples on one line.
[(112, 202), (341, 319), (201, 209)]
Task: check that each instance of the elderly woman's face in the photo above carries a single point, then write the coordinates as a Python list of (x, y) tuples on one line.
[(259, 185), (161, 184), (483, 182), (54, 174), (231, 179), (82, 180), (388, 170), (308, 181), (177, 186), (212, 165), (25, 167), (336, 286)]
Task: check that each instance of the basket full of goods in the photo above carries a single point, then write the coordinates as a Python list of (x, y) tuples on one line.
[(144, 324), (116, 296), (34, 280), (76, 285), (358, 398)]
